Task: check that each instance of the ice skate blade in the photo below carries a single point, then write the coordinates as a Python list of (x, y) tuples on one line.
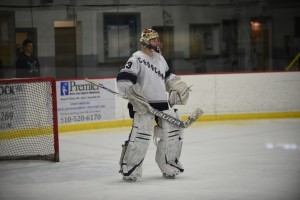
[(129, 179), (168, 176)]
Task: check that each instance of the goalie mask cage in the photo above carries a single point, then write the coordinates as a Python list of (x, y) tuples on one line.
[(28, 119)]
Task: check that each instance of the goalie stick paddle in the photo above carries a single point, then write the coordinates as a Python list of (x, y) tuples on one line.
[(190, 120)]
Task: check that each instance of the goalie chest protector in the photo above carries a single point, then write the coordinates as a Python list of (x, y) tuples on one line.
[(150, 73)]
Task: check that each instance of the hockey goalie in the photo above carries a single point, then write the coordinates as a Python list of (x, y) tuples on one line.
[(146, 81)]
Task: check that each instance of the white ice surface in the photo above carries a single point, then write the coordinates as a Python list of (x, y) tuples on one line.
[(247, 160)]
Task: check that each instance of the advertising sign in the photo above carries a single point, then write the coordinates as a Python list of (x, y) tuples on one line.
[(81, 102), (9, 99), (23, 106)]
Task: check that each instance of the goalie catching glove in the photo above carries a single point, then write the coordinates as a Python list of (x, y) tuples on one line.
[(178, 91), (137, 99)]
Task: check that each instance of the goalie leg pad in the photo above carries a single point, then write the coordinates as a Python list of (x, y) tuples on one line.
[(169, 146), (135, 149)]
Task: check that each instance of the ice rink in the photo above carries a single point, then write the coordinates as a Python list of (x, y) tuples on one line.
[(223, 160)]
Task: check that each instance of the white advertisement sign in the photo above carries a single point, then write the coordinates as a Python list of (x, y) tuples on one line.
[(23, 106), (8, 98), (81, 102)]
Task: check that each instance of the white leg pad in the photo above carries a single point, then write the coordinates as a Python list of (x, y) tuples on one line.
[(136, 147), (169, 146)]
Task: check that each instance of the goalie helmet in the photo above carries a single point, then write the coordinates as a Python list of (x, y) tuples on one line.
[(146, 36)]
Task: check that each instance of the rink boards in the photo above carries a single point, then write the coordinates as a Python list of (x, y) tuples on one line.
[(220, 96)]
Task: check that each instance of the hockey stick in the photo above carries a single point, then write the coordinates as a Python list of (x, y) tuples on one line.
[(190, 120)]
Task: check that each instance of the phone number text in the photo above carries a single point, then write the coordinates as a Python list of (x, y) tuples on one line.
[(79, 118)]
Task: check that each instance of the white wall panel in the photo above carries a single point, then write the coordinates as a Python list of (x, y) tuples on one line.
[(219, 94)]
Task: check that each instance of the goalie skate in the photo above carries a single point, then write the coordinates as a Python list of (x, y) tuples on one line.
[(129, 179), (168, 176)]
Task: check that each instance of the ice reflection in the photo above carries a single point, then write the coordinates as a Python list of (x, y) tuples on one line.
[(284, 146)]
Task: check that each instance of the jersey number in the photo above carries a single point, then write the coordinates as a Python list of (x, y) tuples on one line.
[(128, 65)]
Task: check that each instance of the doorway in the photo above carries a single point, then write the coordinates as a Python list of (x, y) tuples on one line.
[(67, 43), (7, 44), (261, 44)]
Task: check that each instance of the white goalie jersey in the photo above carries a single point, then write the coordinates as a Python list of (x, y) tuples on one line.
[(150, 72)]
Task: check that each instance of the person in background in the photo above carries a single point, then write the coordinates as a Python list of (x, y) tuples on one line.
[(145, 81), (27, 65)]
